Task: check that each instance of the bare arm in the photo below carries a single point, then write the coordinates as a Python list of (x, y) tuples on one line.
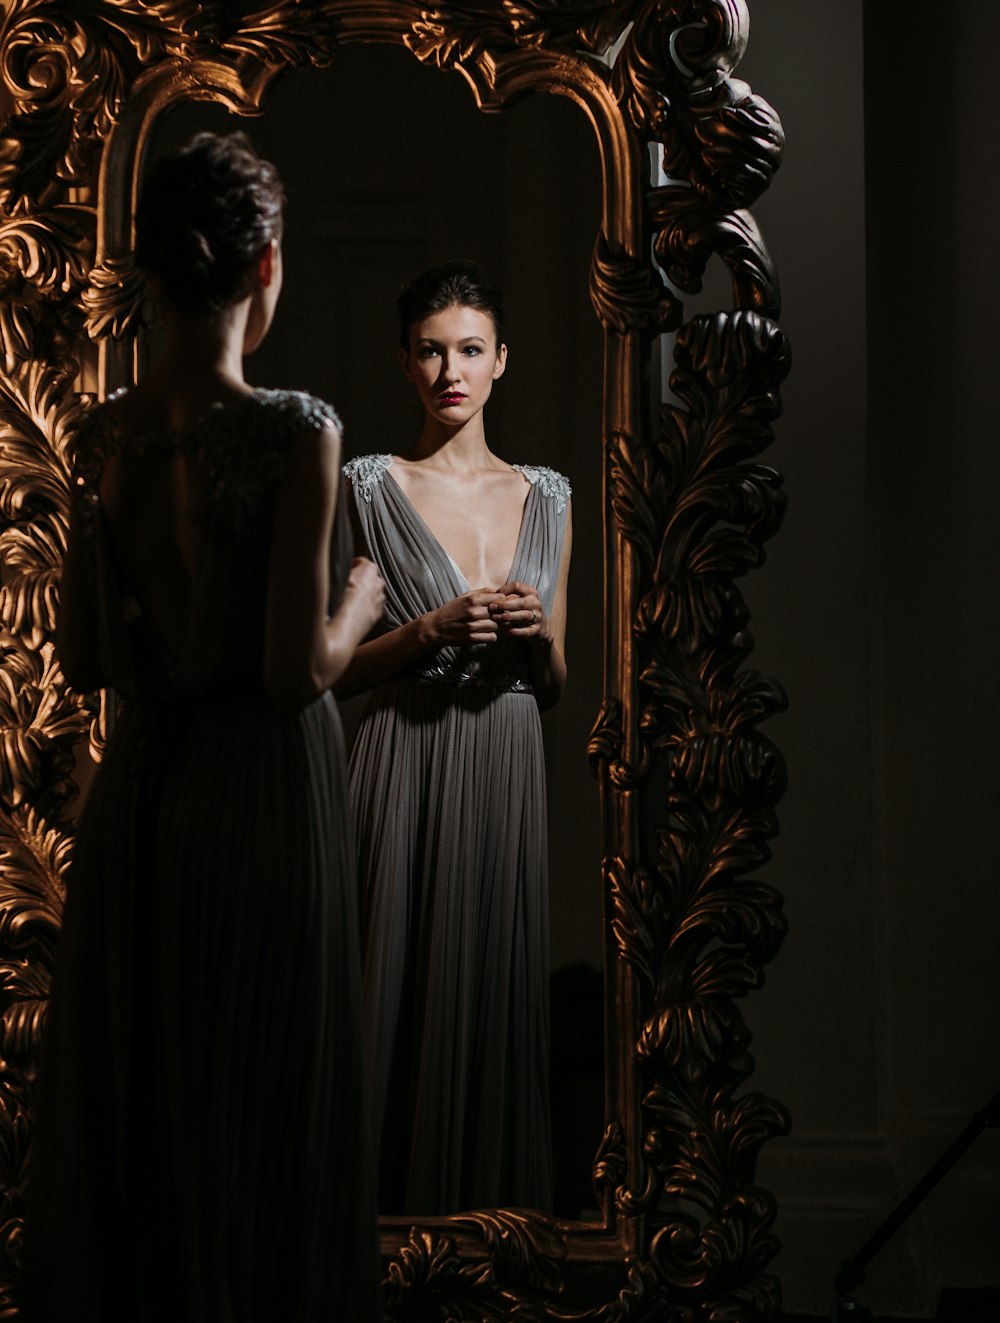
[(521, 615), (461, 621), (306, 651)]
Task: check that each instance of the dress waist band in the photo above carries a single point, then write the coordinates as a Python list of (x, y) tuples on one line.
[(494, 684)]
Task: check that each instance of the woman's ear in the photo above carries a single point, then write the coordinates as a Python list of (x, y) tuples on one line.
[(501, 364), (267, 261), (404, 363)]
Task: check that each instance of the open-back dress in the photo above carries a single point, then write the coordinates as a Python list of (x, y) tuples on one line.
[(448, 790), (199, 1151)]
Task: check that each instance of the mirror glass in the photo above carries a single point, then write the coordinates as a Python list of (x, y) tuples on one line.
[(390, 168)]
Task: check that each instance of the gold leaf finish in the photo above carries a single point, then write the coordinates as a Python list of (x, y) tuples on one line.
[(688, 783)]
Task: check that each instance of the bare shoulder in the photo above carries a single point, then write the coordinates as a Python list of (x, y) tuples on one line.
[(321, 439)]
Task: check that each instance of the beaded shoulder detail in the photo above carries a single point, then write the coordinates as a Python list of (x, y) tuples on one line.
[(243, 446), (550, 483), (366, 472)]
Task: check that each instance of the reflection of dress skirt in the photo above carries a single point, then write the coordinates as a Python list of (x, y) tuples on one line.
[(197, 1150), (448, 788)]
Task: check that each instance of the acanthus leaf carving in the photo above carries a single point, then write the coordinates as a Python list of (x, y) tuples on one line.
[(430, 1276), (700, 928), (638, 915), (35, 857), (673, 80), (611, 1159), (691, 1039), (637, 491), (33, 861), (643, 1299), (292, 32), (625, 775), (14, 1149), (745, 356), (450, 33), (739, 147), (48, 249), (28, 601), (628, 295), (37, 414), (718, 511), (584, 24), (682, 50), (43, 264), (691, 229), (39, 717), (718, 770), (115, 300), (67, 85), (606, 736), (522, 1245)]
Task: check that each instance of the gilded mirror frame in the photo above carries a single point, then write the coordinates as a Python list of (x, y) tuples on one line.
[(688, 783)]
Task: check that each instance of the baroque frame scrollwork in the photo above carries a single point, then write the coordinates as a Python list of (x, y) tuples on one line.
[(688, 782)]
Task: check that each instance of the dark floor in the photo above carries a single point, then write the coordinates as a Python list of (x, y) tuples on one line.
[(956, 1305)]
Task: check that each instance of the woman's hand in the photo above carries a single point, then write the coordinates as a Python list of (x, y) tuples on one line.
[(463, 620), (519, 613), (365, 591)]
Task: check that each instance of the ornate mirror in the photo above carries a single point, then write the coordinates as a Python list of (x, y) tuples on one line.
[(687, 784)]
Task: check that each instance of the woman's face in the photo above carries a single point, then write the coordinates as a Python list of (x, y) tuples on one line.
[(453, 361)]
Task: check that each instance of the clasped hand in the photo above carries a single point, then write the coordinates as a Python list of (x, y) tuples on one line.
[(482, 615), (519, 611)]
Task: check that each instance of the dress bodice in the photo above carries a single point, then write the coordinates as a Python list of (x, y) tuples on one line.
[(240, 452), (420, 575)]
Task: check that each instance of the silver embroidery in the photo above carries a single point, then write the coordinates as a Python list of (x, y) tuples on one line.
[(242, 446), (549, 482), (366, 472)]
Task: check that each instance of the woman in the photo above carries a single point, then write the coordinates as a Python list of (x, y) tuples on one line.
[(199, 1149), (447, 774)]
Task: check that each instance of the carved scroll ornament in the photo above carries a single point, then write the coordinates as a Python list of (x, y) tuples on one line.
[(688, 783)]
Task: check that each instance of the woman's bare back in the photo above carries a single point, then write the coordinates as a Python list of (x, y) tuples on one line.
[(150, 496)]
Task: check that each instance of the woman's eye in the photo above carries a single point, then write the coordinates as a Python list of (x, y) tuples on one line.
[(473, 350), (427, 352)]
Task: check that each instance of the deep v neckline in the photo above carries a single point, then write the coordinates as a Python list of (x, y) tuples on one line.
[(436, 542)]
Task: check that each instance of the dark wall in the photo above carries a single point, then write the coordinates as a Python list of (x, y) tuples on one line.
[(880, 1024)]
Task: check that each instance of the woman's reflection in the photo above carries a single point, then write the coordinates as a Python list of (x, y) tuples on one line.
[(448, 777)]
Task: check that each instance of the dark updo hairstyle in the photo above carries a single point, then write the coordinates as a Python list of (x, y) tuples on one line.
[(205, 212), (452, 285)]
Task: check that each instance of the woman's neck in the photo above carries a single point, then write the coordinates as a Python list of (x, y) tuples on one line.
[(204, 352), (463, 448)]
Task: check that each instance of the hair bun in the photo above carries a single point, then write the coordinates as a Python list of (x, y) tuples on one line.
[(204, 214)]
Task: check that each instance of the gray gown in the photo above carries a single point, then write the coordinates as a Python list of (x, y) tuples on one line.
[(448, 790), (200, 1143)]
